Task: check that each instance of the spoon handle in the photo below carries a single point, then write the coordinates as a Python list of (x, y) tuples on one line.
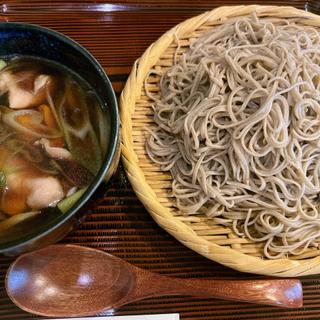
[(285, 293)]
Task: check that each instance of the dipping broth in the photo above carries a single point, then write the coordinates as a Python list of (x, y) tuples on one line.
[(52, 138)]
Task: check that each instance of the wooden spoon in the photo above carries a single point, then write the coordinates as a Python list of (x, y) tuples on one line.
[(69, 281)]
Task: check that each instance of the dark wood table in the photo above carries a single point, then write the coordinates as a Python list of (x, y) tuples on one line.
[(117, 33)]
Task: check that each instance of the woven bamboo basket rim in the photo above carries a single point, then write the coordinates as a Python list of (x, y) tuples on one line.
[(152, 186)]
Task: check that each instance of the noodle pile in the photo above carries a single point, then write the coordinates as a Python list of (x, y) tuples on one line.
[(238, 127)]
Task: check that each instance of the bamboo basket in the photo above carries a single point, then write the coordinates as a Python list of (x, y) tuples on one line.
[(153, 187)]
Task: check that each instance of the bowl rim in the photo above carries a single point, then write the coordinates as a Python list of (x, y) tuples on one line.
[(110, 155)]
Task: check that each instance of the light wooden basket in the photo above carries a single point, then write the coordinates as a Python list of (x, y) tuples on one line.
[(153, 187)]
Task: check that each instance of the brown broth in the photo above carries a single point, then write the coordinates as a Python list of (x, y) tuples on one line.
[(50, 142)]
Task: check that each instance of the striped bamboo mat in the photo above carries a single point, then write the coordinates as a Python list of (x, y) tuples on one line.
[(117, 33)]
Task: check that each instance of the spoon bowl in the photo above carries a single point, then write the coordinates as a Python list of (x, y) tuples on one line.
[(69, 281), (52, 280)]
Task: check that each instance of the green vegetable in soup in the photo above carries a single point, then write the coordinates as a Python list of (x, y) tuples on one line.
[(3, 179), (2, 64), (14, 220), (67, 203), (100, 122)]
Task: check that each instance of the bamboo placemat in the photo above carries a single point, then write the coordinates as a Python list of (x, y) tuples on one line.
[(117, 36)]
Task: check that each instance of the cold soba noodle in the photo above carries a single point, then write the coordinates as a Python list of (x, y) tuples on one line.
[(52, 138), (239, 126)]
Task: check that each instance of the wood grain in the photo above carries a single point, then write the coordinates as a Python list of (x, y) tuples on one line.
[(117, 36), (76, 281)]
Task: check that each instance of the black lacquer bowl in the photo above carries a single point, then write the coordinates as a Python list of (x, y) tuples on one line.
[(32, 40)]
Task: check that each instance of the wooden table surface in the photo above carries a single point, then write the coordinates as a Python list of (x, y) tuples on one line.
[(117, 33)]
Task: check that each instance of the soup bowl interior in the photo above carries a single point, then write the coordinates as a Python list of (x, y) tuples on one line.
[(16, 40)]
